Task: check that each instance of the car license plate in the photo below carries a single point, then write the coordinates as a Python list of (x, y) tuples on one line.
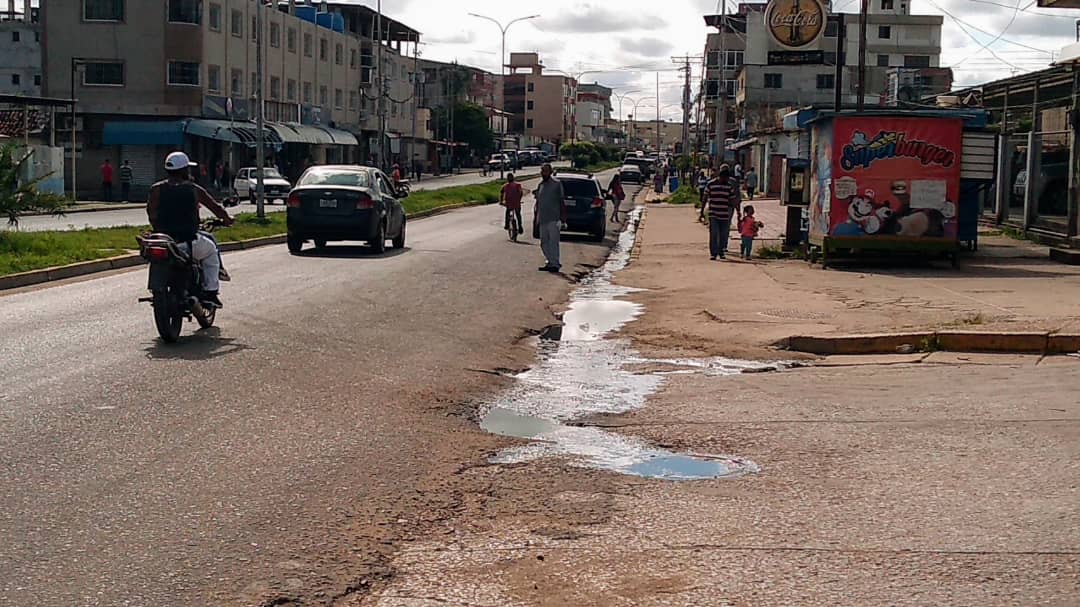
[(327, 203)]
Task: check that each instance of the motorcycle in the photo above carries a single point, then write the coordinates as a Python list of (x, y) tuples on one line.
[(403, 187), (175, 284)]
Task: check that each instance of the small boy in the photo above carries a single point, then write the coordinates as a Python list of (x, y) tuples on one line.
[(748, 229)]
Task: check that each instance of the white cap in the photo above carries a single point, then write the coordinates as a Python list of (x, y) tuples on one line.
[(177, 161)]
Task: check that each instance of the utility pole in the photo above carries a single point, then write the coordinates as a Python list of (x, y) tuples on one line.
[(864, 10), (686, 103), (380, 103), (658, 112), (721, 96), (260, 139), (416, 98), (841, 60)]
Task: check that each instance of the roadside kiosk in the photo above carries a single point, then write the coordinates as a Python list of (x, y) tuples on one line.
[(886, 180)]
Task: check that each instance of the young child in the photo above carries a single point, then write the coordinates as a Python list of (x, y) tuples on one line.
[(748, 229)]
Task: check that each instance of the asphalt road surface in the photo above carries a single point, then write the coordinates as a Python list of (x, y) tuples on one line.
[(281, 456), (128, 217)]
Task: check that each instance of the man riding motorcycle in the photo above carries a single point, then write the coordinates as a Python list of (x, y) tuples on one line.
[(173, 209)]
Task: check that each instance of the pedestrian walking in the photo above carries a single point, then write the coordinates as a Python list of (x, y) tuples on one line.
[(226, 177), (106, 180), (418, 166), (722, 197), (749, 227), (219, 175), (751, 183), (126, 177), (615, 190), (550, 215)]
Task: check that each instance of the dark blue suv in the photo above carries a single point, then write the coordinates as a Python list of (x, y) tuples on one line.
[(586, 206)]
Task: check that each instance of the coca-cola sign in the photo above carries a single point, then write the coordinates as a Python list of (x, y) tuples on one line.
[(795, 24)]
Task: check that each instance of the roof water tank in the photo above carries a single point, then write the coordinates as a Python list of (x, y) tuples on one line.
[(307, 13), (339, 23), (325, 20)]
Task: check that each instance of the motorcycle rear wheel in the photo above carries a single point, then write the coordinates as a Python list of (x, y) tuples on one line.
[(207, 320), (167, 315)]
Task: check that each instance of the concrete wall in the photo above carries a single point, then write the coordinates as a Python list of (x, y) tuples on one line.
[(552, 111), (22, 58)]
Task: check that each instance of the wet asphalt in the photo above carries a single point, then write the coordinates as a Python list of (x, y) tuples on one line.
[(277, 456)]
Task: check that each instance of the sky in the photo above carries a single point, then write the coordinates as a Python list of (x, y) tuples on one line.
[(635, 38)]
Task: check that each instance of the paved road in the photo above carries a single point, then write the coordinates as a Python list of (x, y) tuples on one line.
[(282, 455), (124, 217)]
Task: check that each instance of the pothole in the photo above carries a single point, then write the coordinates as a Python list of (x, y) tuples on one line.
[(581, 373)]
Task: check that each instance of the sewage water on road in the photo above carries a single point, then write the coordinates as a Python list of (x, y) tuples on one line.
[(583, 373)]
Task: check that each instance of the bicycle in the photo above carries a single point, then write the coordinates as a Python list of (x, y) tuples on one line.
[(512, 227)]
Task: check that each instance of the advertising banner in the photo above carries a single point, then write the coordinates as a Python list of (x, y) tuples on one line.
[(895, 177)]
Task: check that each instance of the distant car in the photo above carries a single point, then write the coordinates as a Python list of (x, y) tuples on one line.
[(338, 202), (631, 173), (532, 157), (646, 166), (586, 207), (275, 187), (512, 157), (498, 162)]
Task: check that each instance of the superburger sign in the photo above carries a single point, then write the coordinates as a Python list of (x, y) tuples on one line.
[(795, 24)]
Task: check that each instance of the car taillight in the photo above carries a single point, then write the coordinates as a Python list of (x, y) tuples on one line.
[(294, 200), (365, 202), (597, 203), (158, 253)]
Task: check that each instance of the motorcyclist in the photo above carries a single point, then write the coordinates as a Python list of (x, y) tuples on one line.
[(173, 209)]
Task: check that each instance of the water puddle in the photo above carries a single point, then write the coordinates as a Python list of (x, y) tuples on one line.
[(582, 373)]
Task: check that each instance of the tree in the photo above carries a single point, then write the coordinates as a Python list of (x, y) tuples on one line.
[(470, 127), (18, 199)]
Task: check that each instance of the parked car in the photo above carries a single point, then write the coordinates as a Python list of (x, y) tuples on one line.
[(337, 202), (275, 187), (1053, 194), (646, 166), (586, 206), (512, 157), (532, 157), (498, 162), (631, 173)]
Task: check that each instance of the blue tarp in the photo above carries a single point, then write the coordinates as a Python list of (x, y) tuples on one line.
[(169, 132)]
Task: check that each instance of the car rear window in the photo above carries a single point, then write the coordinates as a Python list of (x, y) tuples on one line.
[(356, 179), (580, 188)]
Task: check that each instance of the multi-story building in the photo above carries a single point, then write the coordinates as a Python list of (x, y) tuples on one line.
[(182, 74), (447, 84), (541, 106), (642, 133), (593, 113), (722, 66), (20, 47)]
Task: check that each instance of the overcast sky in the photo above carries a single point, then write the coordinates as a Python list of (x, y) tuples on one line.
[(575, 35)]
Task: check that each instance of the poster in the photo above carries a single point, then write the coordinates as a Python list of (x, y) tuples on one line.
[(895, 177)]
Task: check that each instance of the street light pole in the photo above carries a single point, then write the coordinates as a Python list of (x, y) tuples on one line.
[(260, 138), (502, 60), (620, 98)]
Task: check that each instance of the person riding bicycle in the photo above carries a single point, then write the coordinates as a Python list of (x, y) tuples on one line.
[(510, 197), (173, 209)]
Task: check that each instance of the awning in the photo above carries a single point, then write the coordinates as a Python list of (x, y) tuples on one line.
[(341, 137), (738, 145), (1069, 54), (292, 132), (169, 132), (233, 132)]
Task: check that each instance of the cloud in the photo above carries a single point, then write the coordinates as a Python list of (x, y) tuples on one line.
[(595, 19), (463, 37), (646, 47)]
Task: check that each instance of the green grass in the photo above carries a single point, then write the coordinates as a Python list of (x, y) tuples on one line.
[(26, 251), (684, 195), (771, 253)]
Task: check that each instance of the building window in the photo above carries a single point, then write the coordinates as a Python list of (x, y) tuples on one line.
[(884, 32), (236, 83), (104, 73), (213, 78), (886, 5), (307, 92), (883, 60), (275, 87), (774, 81), (16, 80), (275, 35), (352, 58), (37, 36), (339, 54), (393, 108), (530, 87), (290, 39), (237, 26), (339, 99), (254, 83), (730, 88), (323, 95), (214, 17), (185, 11), (352, 100), (831, 28), (324, 49), (528, 123), (712, 59), (16, 36), (290, 90), (916, 61), (37, 79), (103, 10), (183, 73), (307, 45), (733, 59), (529, 104), (826, 81)]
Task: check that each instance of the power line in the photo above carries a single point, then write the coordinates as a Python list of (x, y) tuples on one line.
[(1016, 11), (962, 23)]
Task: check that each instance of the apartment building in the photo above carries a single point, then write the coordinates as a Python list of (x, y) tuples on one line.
[(724, 55), (182, 74), (593, 113), (20, 47), (541, 106), (446, 84)]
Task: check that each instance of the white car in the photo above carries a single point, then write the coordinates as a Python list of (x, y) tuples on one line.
[(631, 173), (275, 186)]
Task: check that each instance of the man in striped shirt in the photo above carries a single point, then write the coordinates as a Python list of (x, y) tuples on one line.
[(723, 200)]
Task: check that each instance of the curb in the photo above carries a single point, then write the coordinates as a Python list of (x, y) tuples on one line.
[(36, 277), (120, 206), (945, 341)]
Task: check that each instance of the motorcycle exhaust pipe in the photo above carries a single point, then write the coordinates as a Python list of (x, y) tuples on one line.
[(196, 306)]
